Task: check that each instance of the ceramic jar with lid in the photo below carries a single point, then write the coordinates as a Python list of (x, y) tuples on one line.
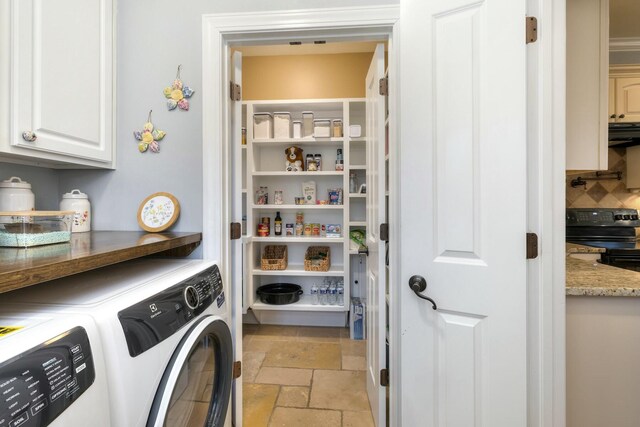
[(16, 195), (78, 202)]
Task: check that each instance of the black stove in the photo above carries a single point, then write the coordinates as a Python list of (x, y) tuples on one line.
[(612, 229)]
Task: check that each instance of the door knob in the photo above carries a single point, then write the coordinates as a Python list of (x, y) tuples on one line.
[(613, 116), (419, 284), (621, 116)]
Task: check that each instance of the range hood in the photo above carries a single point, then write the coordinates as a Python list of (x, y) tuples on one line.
[(623, 134)]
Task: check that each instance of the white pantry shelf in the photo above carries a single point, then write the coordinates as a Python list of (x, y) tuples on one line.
[(303, 239), (281, 142), (298, 270), (303, 305), (307, 174), (273, 207)]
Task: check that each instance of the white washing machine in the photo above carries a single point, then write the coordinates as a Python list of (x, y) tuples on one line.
[(165, 333), (52, 372)]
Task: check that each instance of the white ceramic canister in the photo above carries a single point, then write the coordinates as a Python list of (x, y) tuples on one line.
[(16, 195), (78, 202)]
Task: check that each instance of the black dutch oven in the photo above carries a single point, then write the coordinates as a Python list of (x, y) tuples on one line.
[(279, 293)]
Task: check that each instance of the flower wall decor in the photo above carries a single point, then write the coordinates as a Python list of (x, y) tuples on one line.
[(177, 94), (149, 137)]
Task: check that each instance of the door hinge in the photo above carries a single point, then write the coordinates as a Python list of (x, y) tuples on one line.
[(235, 230), (384, 232), (237, 369), (384, 86), (235, 92), (384, 377), (532, 246), (531, 24)]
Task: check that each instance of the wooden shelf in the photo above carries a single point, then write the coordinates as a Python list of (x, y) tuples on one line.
[(303, 305), (272, 207), (22, 267), (284, 173), (298, 270)]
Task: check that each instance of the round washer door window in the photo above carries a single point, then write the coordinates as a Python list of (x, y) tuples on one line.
[(196, 387)]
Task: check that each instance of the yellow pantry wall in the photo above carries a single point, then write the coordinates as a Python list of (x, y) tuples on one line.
[(305, 76)]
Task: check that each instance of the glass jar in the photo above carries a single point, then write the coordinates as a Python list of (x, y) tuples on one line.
[(353, 183)]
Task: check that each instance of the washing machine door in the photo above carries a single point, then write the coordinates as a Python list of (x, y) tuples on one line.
[(196, 387)]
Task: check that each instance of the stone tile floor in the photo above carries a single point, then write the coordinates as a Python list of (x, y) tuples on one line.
[(303, 376)]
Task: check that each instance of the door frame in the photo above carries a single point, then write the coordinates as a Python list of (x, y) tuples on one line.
[(545, 159)]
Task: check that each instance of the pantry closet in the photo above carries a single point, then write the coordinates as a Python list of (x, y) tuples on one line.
[(310, 179)]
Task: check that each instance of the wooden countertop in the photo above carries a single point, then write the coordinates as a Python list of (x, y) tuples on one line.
[(22, 267)]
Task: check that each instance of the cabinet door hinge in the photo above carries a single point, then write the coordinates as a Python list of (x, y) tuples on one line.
[(237, 369), (235, 230), (531, 25), (384, 232), (384, 377), (384, 86), (235, 92), (532, 246)]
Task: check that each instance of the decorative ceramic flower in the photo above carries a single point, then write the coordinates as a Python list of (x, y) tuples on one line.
[(149, 137), (177, 94)]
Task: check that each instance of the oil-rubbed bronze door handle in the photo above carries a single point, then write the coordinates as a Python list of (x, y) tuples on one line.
[(419, 284)]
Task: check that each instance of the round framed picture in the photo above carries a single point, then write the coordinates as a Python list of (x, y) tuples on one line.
[(158, 212)]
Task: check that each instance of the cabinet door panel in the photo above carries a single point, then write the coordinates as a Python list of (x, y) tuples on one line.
[(62, 76), (628, 99), (612, 100)]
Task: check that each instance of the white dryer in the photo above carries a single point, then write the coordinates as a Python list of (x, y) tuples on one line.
[(51, 371), (165, 333)]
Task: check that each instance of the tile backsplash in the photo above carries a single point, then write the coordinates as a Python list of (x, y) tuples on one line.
[(603, 193)]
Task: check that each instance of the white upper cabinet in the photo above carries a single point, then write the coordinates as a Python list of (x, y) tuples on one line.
[(587, 84), (627, 99), (60, 79)]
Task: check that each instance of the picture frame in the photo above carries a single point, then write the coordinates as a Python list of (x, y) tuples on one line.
[(158, 212)]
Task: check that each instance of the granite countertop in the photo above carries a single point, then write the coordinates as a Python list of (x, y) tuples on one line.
[(574, 248), (589, 278)]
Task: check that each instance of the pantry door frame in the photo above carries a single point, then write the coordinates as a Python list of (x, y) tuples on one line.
[(220, 33), (546, 160)]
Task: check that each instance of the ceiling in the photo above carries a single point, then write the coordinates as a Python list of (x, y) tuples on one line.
[(624, 18), (307, 48)]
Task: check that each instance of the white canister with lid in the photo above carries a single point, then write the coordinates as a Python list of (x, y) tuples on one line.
[(16, 195), (78, 202)]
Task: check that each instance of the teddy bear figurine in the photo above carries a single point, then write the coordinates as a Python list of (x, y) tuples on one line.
[(294, 162)]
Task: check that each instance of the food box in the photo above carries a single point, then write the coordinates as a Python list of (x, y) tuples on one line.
[(24, 229), (357, 320)]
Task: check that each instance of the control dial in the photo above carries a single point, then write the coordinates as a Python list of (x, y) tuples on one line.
[(191, 297)]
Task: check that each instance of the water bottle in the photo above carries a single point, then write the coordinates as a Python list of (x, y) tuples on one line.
[(340, 293), (314, 295), (323, 295), (333, 294)]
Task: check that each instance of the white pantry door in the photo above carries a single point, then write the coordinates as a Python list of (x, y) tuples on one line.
[(235, 137), (376, 308), (462, 221)]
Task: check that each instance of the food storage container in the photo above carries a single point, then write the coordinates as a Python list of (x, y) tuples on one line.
[(355, 131), (282, 125), (336, 126), (34, 228), (322, 128), (78, 202), (307, 124), (297, 129), (16, 195), (262, 126)]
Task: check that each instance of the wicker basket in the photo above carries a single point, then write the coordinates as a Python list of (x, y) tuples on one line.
[(274, 257), (317, 258)]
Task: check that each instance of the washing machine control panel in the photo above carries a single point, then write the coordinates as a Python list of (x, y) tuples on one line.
[(41, 383), (155, 319)]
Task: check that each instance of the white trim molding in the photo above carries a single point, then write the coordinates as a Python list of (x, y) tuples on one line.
[(624, 44)]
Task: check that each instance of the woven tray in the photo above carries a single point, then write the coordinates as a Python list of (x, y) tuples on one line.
[(317, 258), (274, 257)]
